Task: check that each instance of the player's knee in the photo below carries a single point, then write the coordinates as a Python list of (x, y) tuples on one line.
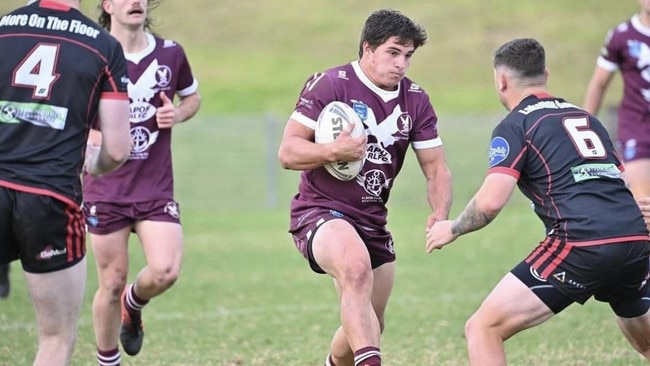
[(165, 277), (356, 277), (113, 288), (475, 325)]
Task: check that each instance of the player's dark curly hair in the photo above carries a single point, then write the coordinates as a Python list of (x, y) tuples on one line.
[(105, 19), (386, 23), (525, 56)]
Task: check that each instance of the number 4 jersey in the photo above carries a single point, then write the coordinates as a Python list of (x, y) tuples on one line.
[(55, 65), (566, 165)]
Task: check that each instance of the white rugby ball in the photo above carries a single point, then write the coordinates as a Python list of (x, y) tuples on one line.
[(332, 120)]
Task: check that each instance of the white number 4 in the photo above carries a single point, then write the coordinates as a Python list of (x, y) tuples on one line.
[(586, 141), (36, 71)]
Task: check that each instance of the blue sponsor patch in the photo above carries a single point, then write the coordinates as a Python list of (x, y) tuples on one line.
[(336, 214), (361, 109), (499, 150)]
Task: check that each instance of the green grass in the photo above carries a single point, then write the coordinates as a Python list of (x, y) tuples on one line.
[(245, 296)]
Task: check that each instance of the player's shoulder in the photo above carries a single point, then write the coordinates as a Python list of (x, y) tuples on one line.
[(166, 44), (412, 88)]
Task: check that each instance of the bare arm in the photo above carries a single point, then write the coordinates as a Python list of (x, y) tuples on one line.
[(298, 151), (115, 139), (439, 182), (596, 90), (486, 204)]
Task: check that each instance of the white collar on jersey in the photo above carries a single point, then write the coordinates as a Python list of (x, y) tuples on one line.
[(138, 56), (385, 95), (636, 23)]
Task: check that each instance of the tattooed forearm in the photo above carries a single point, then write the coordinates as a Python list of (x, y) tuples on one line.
[(471, 219)]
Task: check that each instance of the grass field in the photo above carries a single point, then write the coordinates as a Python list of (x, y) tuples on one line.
[(245, 296)]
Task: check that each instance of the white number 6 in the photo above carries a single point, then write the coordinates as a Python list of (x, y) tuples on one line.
[(586, 141)]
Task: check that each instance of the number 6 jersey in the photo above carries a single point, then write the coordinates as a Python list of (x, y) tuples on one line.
[(566, 165)]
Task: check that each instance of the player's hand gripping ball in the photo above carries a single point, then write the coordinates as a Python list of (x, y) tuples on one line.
[(331, 122)]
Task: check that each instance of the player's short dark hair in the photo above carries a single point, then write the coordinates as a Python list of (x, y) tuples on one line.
[(104, 18), (386, 23), (525, 56)]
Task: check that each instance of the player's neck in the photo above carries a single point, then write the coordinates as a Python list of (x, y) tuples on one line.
[(132, 41), (644, 18)]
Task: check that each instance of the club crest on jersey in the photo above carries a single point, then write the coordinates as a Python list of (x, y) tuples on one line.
[(361, 109), (499, 150)]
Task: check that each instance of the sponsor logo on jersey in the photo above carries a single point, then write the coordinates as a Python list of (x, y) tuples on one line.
[(374, 181), (142, 138), (361, 109), (595, 171), (499, 150), (336, 214), (375, 153), (42, 115)]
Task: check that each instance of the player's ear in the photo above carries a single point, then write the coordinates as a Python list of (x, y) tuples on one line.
[(107, 6)]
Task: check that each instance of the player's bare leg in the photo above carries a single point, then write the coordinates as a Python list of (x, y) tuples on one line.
[(112, 262), (637, 332), (339, 251), (384, 276), (510, 308), (163, 249), (57, 298)]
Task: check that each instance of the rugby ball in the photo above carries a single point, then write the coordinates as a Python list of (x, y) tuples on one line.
[(332, 120)]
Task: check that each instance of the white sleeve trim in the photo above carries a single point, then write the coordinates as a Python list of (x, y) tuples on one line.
[(607, 65), (303, 120), (189, 90), (427, 144)]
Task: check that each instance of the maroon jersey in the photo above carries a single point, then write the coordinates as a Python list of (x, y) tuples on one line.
[(147, 174), (627, 48), (55, 66), (393, 120)]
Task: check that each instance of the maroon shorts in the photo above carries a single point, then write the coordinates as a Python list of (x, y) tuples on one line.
[(633, 138), (47, 234), (378, 241), (107, 217)]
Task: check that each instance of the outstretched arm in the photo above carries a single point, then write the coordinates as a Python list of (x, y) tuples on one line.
[(439, 182), (480, 211)]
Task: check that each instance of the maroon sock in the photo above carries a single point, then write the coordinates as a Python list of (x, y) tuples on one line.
[(134, 302), (367, 356), (111, 357), (330, 361)]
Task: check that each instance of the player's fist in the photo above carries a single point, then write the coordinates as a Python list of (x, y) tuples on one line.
[(166, 114)]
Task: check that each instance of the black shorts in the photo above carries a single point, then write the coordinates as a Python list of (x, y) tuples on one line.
[(45, 233), (613, 273), (379, 242)]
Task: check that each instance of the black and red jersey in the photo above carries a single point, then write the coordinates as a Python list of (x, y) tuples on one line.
[(55, 67), (566, 165)]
